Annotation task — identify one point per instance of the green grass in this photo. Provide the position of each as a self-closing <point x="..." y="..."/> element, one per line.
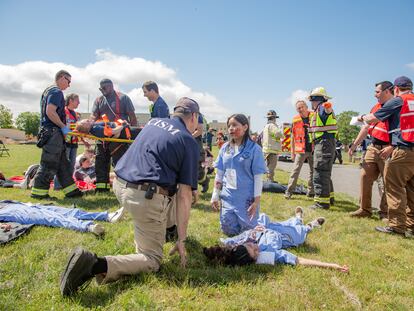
<point x="381" y="276"/>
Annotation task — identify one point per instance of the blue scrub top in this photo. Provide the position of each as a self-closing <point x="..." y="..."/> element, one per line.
<point x="247" y="163"/>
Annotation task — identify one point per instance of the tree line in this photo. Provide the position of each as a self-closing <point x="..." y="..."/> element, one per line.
<point x="28" y="122"/>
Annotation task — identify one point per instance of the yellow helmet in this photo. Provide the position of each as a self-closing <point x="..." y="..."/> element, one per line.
<point x="319" y="91"/>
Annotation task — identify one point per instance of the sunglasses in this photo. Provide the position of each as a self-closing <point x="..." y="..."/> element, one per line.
<point x="69" y="81"/>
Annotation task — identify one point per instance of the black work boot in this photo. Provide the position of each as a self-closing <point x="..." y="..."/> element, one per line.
<point x="319" y="205"/>
<point x="171" y="234"/>
<point x="74" y="194"/>
<point x="78" y="271"/>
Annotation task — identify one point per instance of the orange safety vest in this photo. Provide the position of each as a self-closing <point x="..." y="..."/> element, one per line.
<point x="108" y="130"/>
<point x="407" y="117"/>
<point x="379" y="130"/>
<point x="299" y="133"/>
<point x="71" y="123"/>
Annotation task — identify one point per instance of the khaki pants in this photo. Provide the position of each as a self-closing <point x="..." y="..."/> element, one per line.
<point x="372" y="167"/>
<point x="300" y="158"/>
<point x="150" y="221"/>
<point x="271" y="162"/>
<point x="399" y="186"/>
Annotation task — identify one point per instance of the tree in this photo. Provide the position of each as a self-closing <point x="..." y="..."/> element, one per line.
<point x="6" y="117"/>
<point x="28" y="122"/>
<point x="346" y="132"/>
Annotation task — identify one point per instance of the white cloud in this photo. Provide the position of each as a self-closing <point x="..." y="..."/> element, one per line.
<point x="297" y="95"/>
<point x="411" y="66"/>
<point x="21" y="85"/>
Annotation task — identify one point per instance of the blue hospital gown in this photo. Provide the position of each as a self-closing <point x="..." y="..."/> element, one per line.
<point x="247" y="163"/>
<point x="49" y="215"/>
<point x="274" y="238"/>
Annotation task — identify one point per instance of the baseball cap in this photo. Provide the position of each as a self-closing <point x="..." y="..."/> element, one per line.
<point x="105" y="81"/>
<point x="403" y="81"/>
<point x="187" y="105"/>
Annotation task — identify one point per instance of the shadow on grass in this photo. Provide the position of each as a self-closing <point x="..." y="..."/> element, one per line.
<point x="345" y="206"/>
<point x="199" y="273"/>
<point x="203" y="207"/>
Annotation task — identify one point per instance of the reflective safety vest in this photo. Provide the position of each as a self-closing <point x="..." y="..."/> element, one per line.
<point x="71" y="118"/>
<point x="108" y="131"/>
<point x="299" y="133"/>
<point x="407" y="117"/>
<point x="380" y="129"/>
<point x="318" y="128"/>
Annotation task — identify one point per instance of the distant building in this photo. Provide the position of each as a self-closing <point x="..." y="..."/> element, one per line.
<point x="218" y="126"/>
<point x="13" y="134"/>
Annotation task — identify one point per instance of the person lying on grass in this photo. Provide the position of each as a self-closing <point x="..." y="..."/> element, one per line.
<point x="56" y="216"/>
<point x="264" y="244"/>
<point x="107" y="129"/>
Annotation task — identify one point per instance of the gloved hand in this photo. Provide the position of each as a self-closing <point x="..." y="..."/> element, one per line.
<point x="327" y="105"/>
<point x="65" y="130"/>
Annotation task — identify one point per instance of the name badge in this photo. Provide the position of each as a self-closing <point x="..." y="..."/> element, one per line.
<point x="410" y="105"/>
<point x="266" y="258"/>
<point x="231" y="178"/>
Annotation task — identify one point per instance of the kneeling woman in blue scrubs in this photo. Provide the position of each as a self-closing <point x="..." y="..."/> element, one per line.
<point x="265" y="243"/>
<point x="238" y="185"/>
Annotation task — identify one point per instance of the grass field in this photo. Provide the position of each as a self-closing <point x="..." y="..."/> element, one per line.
<point x="381" y="266"/>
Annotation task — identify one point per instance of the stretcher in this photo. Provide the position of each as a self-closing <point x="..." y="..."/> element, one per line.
<point x="110" y="139"/>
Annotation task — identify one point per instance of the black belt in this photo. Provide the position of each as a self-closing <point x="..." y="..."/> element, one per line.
<point x="380" y="147"/>
<point x="142" y="186"/>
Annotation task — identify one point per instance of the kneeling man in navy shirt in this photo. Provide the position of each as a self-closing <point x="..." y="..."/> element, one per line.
<point x="159" y="167"/>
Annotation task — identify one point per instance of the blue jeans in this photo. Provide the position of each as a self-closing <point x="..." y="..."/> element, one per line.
<point x="71" y="156"/>
<point x="49" y="215"/>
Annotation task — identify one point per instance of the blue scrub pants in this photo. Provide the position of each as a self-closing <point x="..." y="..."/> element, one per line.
<point x="49" y="215"/>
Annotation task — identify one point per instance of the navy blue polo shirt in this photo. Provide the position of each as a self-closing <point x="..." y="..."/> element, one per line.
<point x="391" y="111"/>
<point x="160" y="109"/>
<point x="165" y="153"/>
<point x="54" y="96"/>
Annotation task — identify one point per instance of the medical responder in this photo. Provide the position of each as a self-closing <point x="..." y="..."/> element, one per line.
<point x="399" y="172"/>
<point x="51" y="139"/>
<point x="373" y="163"/>
<point x="322" y="132"/>
<point x="161" y="163"/>
<point x="272" y="134"/>
<point x="301" y="148"/>
<point x="158" y="108"/>
<point x="111" y="106"/>
<point x="239" y="178"/>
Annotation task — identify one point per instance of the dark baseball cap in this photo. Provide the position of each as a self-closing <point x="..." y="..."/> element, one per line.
<point x="403" y="81"/>
<point x="187" y="105"/>
<point x="105" y="81"/>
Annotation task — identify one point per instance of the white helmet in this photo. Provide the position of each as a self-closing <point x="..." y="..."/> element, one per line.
<point x="319" y="91"/>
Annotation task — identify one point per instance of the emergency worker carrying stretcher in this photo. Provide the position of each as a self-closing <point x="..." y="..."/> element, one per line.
<point x="51" y="139"/>
<point x="116" y="106"/>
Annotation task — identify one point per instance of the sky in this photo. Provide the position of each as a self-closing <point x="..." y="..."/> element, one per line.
<point x="231" y="56"/>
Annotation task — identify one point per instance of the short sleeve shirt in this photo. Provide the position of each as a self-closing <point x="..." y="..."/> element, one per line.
<point x="54" y="96"/>
<point x="391" y="111"/>
<point x="107" y="105"/>
<point x="164" y="153"/>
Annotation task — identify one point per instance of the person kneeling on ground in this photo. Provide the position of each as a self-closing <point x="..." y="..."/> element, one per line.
<point x="108" y="129"/>
<point x="264" y="244"/>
